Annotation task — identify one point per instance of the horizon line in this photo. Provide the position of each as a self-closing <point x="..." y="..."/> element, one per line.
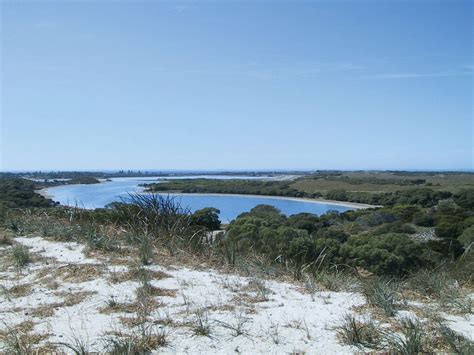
<point x="276" y="170"/>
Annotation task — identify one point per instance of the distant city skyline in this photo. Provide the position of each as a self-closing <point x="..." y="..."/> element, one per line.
<point x="235" y="86"/>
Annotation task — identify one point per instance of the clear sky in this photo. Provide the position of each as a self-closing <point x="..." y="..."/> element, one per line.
<point x="236" y="85"/>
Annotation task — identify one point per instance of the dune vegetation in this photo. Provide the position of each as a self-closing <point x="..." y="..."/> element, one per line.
<point x="151" y="274"/>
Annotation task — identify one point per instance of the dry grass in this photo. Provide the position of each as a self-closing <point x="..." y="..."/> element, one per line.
<point x="142" y="341"/>
<point x="46" y="310"/>
<point x="50" y="282"/>
<point x="245" y="298"/>
<point x="72" y="298"/>
<point x="221" y="308"/>
<point x="257" y="286"/>
<point x="132" y="322"/>
<point x="135" y="274"/>
<point x="121" y="257"/>
<point x="19" y="290"/>
<point x="79" y="273"/>
<point x="120" y="307"/>
<point x="154" y="291"/>
<point x="5" y="238"/>
<point x="21" y="339"/>
<point x="123" y="307"/>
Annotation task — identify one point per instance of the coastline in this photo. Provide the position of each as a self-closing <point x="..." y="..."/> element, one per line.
<point x="354" y="205"/>
<point x="46" y="193"/>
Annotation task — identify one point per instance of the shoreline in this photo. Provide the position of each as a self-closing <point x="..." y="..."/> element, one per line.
<point x="355" y="205"/>
<point x="45" y="193"/>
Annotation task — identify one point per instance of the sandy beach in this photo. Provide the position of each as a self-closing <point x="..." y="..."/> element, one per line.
<point x="45" y="193"/>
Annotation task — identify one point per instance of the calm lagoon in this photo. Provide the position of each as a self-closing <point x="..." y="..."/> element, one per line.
<point x="99" y="195"/>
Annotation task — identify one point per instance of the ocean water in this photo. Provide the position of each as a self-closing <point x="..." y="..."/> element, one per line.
<point x="230" y="206"/>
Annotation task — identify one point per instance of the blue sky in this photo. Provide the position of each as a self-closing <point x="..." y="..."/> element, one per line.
<point x="236" y="85"/>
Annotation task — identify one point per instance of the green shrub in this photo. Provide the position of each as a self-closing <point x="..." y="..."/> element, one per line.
<point x="405" y="212"/>
<point x="447" y="248"/>
<point x="19" y="193"/>
<point x="395" y="227"/>
<point x="377" y="218"/>
<point x="388" y="254"/>
<point x="307" y="221"/>
<point x="207" y="217"/>
<point x="465" y="198"/>
<point x="20" y="255"/>
<point x="447" y="229"/>
<point x="467" y="237"/>
<point x="423" y="219"/>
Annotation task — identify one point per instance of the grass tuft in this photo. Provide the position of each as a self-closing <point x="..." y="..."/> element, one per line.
<point x="381" y="294"/>
<point x="201" y="324"/>
<point x="143" y="341"/>
<point x="410" y="341"/>
<point x="354" y="332"/>
<point x="20" y="255"/>
<point x="5" y="238"/>
<point x="145" y="250"/>
<point x="456" y="342"/>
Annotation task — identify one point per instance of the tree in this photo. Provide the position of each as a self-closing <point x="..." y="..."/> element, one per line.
<point x="207" y="217"/>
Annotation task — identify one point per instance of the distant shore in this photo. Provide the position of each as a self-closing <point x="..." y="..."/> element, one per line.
<point x="46" y="193"/>
<point x="354" y="205"/>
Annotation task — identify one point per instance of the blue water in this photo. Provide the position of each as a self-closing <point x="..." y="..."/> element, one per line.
<point x="99" y="195"/>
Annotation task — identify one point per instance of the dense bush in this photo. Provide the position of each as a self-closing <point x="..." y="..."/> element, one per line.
<point x="424" y="197"/>
<point x="388" y="254"/>
<point x="376" y="218"/>
<point x="448" y="248"/>
<point x="207" y="218"/>
<point x="307" y="221"/>
<point x="20" y="193"/>
<point x="447" y="229"/>
<point x="395" y="227"/>
<point x="465" y="198"/>
<point x="467" y="237"/>
<point x="302" y="239"/>
<point x="230" y="186"/>
<point x="373" y="239"/>
<point x="423" y="219"/>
